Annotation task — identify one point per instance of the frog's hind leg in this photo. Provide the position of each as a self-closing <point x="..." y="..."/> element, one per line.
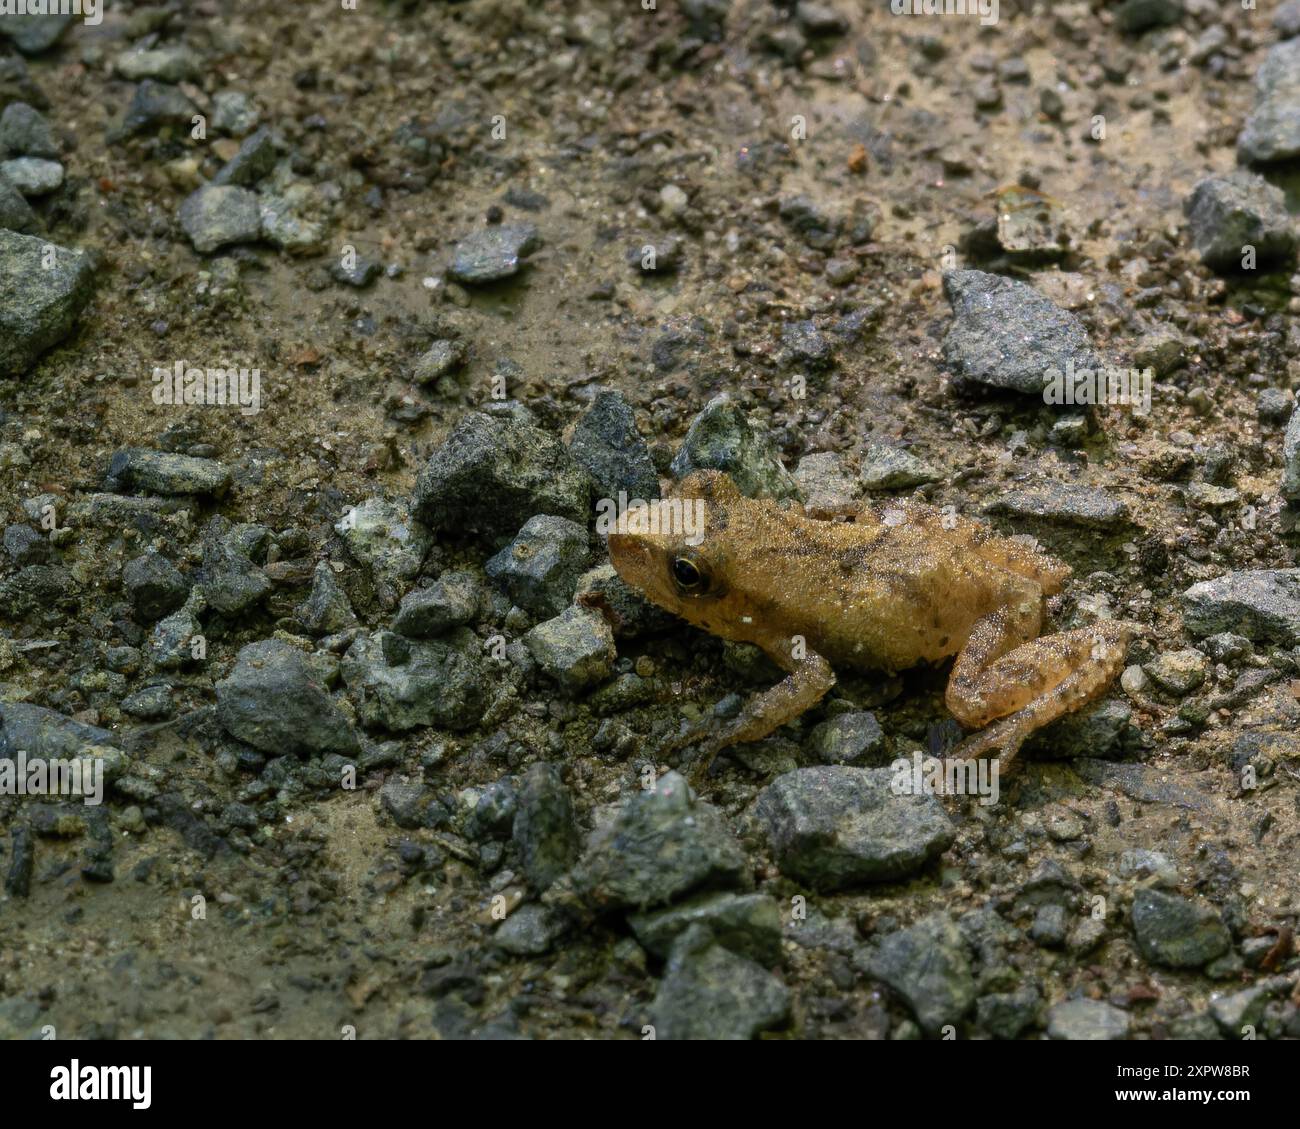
<point x="1027" y="682"/>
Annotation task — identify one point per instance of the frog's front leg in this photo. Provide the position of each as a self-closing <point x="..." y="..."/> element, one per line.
<point x="807" y="683"/>
<point x="1027" y="684"/>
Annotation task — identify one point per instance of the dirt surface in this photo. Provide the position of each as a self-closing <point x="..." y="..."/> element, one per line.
<point x="624" y="127"/>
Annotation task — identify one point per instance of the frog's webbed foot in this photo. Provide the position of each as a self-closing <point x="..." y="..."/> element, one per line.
<point x="1022" y="688"/>
<point x="803" y="688"/>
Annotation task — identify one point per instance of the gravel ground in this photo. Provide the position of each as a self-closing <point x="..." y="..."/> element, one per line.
<point x="322" y="332"/>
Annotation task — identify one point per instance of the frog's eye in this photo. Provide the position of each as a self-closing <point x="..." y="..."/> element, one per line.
<point x="689" y="576"/>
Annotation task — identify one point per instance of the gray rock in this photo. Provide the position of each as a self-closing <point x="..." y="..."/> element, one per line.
<point x="1178" y="672"/>
<point x="45" y="733"/>
<point x="1227" y="214"/>
<point x="453" y="601"/>
<point x="1235" y="1012"/>
<point x="1007" y="1015"/>
<point x="232" y="581"/>
<point x="15" y="213"/>
<point x="530" y="931"/>
<point x="1177" y="932"/>
<point x="805" y="347"/>
<point x="400" y="684"/>
<point x="1104" y="730"/>
<point x="1049" y="927"/>
<point x="847" y="738"/>
<point x="1006" y="335"/>
<point x="1087" y="1020"/>
<point x="38" y="306"/>
<point x="1259" y="604"/>
<point x="493" y="253"/>
<point x="544" y="830"/>
<point x="167" y="63"/>
<point x="32" y="33"/>
<point x="608" y="446"/>
<point x="382" y="536"/>
<point x="1060" y="502"/>
<point x="153" y="703"/>
<point x="722" y="438"/>
<point x="161" y="472"/>
<point x="360" y="274"/>
<point x="746" y="924"/>
<point x="1153" y="867"/>
<point x="275" y="700"/>
<point x="217" y="216"/>
<point x="891" y="468"/>
<point x="155" y="586"/>
<point x="660" y="845"/>
<point x="710" y="993"/>
<point x="287" y="221"/>
<point x="1272" y="131"/>
<point x="927" y="965"/>
<point x="1137" y="16"/>
<point x="838" y="826"/>
<point x="253" y="161"/>
<point x="539" y="569"/>
<point x="494" y="812"/>
<point x="25" y="546"/>
<point x="327" y="610"/>
<point x="156" y="106"/>
<point x="24" y="132"/>
<point x="1291" y="457"/>
<point x="234" y="113"/>
<point x="576" y="648"/>
<point x="172" y="642"/>
<point x="1276" y="405"/>
<point x="32" y="176"/>
<point x="1287" y="19"/>
<point x="493" y="473"/>
<point x="441" y="358"/>
<point x="825" y="483"/>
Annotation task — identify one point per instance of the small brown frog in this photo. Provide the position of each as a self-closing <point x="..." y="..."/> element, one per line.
<point x="903" y="583"/>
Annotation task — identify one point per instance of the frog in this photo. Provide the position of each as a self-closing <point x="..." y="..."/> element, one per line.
<point x="875" y="587"/>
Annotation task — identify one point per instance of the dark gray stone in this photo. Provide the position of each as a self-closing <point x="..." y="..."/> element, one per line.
<point x="275" y="700"/>
<point x="660" y="845"/>
<point x="747" y="924"/>
<point x="927" y="965"/>
<point x="24" y="132"/>
<point x="539" y="569"/>
<point x="161" y="472"/>
<point x="400" y="684"/>
<point x="38" y="305"/>
<point x="1259" y="604"/>
<point x="155" y="586"/>
<point x="576" y="648"/>
<point x="544" y="829"/>
<point x="607" y="444"/>
<point x="1006" y="335"/>
<point x="453" y="601"/>
<point x="327" y="610"/>
<point x="1272" y="131"/>
<point x="493" y="253"/>
<point x="217" y="216"/>
<point x="1177" y="932"/>
<point x="838" y="826"/>
<point x="254" y="160"/>
<point x="1226" y="214"/>
<point x="1087" y="1020"/>
<point x="493" y="473"/>
<point x="710" y="993"/>
<point x="722" y="438"/>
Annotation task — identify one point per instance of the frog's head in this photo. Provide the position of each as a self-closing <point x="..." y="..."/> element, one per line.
<point x="665" y="550"/>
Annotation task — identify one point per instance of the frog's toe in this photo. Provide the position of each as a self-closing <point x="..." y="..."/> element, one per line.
<point x="1002" y="740"/>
